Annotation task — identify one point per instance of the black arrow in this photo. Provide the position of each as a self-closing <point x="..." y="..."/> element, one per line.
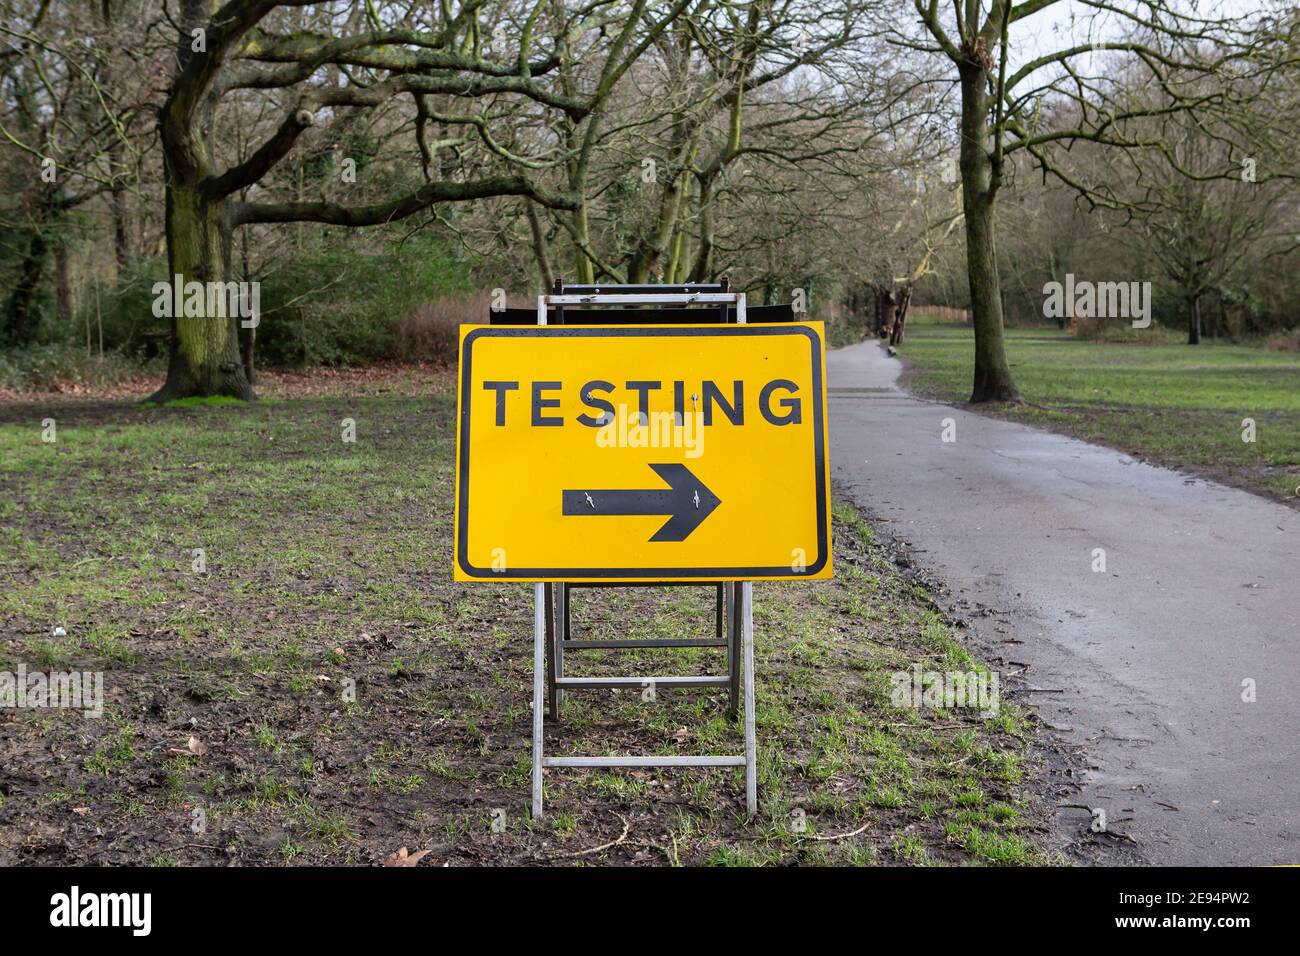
<point x="686" y="499"/>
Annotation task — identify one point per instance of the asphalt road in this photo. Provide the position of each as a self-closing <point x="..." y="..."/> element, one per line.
<point x="1142" y="665"/>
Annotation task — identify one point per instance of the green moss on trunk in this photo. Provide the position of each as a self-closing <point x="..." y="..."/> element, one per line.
<point x="205" y="357"/>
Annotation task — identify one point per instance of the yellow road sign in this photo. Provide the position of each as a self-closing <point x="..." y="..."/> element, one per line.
<point x="621" y="453"/>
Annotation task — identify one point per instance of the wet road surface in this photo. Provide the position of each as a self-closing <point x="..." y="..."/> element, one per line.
<point x="1143" y="665"/>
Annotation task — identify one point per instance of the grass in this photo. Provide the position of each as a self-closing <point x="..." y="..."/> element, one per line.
<point x="353" y="700"/>
<point x="211" y="402"/>
<point x="1168" y="402"/>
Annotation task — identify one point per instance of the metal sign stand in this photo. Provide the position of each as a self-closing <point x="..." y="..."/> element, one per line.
<point x="551" y="606"/>
<point x="559" y="638"/>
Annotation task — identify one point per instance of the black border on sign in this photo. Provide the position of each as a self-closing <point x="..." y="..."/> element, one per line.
<point x="559" y="574"/>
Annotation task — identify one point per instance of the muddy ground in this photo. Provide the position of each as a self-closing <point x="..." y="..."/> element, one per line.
<point x="231" y="734"/>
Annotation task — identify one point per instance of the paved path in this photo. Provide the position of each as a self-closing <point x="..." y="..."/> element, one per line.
<point x="1201" y="592"/>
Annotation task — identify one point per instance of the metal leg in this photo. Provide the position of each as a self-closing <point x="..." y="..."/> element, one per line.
<point x="551" y="628"/>
<point x="734" y="629"/>
<point x="539" y="693"/>
<point x="552" y="702"/>
<point x="717" y="624"/>
<point x="751" y="744"/>
<point x="564" y="633"/>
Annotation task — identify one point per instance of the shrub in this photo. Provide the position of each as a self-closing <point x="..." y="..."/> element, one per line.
<point x="431" y="332"/>
<point x="124" y="315"/>
<point x="1287" y="340"/>
<point x="50" y="367"/>
<point x="844" y="327"/>
<point x="329" y="306"/>
<point x="1122" y="331"/>
<point x="343" y="308"/>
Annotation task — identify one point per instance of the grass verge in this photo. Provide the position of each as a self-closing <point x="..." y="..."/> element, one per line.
<point x="292" y="677"/>
<point x="1177" y="405"/>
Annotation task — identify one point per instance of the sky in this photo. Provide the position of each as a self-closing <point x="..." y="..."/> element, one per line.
<point x="1068" y="20"/>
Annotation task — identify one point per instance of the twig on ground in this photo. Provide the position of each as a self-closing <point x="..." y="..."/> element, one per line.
<point x="191" y="846"/>
<point x="596" y="849"/>
<point x="840" y="836"/>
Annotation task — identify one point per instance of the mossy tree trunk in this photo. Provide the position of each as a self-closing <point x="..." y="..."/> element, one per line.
<point x="204" y="357"/>
<point x="980" y="182"/>
<point x="702" y="271"/>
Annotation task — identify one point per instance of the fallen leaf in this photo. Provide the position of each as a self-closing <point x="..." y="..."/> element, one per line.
<point x="81" y="811"/>
<point x="194" y="747"/>
<point x="402" y="858"/>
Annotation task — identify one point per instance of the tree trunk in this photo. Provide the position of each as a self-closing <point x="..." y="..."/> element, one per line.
<point x="247" y="346"/>
<point x="647" y="260"/>
<point x="247" y="336"/>
<point x="703" y="268"/>
<point x="62" y="280"/>
<point x="539" y="245"/>
<point x="121" y="244"/>
<point x="993" y="381"/>
<point x="205" y="356"/>
<point x="117" y="200"/>
<point x="1194" y="320"/>
<point x="900" y="314"/>
<point x="884" y="297"/>
<point x="674" y="255"/>
<point x="584" y="270"/>
<point x="18" y="310"/>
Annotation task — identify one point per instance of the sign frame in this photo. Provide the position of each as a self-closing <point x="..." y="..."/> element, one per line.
<point x="820" y="565"/>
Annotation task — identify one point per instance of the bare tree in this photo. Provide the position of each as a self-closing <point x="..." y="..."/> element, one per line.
<point x="71" y="115"/>
<point x="1006" y="108"/>
<point x="731" y="101"/>
<point x="341" y="57"/>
